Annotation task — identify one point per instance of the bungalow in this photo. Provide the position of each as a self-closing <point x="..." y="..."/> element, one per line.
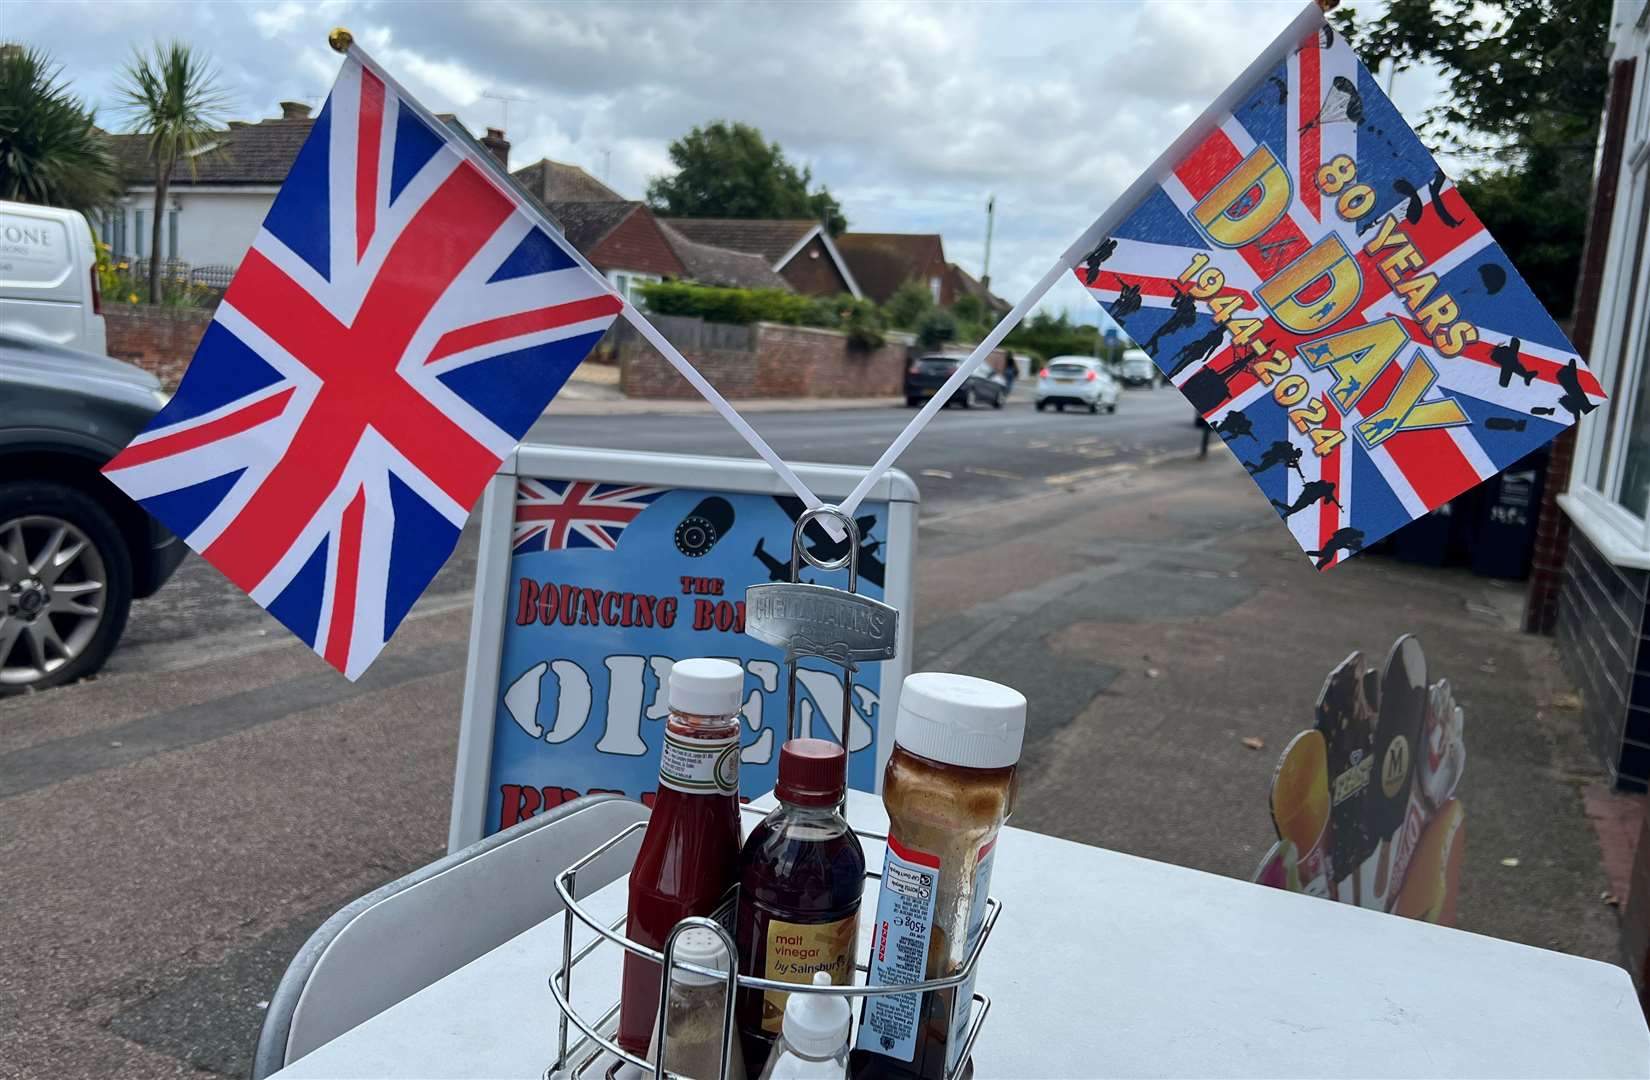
<point x="799" y="251"/>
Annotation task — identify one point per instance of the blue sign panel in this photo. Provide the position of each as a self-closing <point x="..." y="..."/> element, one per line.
<point x="609" y="585"/>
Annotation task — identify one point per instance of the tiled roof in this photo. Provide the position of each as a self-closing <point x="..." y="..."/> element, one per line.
<point x="586" y="223"/>
<point x="771" y="239"/>
<point x="554" y="181"/>
<point x="882" y="262"/>
<point x="260" y="153"/>
<point x="967" y="285"/>
<point x="710" y="265"/>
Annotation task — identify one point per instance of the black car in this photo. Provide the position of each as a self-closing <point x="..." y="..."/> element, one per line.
<point x="74" y="550"/>
<point x="927" y="374"/>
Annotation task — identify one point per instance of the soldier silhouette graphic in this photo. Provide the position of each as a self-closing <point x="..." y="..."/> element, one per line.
<point x="1093" y="260"/>
<point x="1236" y="425"/>
<point x="1279" y="453"/>
<point x="1183" y="309"/>
<point x="1127" y="303"/>
<point x="1312" y="491"/>
<point x="1197" y="352"/>
<point x="1349" y="540"/>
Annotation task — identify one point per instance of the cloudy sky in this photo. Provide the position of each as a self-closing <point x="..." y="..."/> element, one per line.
<point x="912" y="114"/>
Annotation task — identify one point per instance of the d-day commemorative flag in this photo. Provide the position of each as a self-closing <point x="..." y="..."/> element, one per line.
<point x="1301" y="268"/>
<point x="395" y="329"/>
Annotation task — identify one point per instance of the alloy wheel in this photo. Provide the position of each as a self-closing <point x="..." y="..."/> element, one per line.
<point x="52" y="589"/>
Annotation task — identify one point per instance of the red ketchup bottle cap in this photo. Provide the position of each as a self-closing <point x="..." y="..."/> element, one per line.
<point x="812" y="772"/>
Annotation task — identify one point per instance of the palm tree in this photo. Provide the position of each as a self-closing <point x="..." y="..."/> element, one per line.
<point x="50" y="150"/>
<point x="172" y="96"/>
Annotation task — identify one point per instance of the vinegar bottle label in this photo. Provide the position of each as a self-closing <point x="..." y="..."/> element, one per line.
<point x="700" y="765"/>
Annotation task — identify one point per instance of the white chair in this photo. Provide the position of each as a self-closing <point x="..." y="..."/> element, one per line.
<point x="398" y="939"/>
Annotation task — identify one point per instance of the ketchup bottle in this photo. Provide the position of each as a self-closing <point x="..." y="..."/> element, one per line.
<point x="689" y="860"/>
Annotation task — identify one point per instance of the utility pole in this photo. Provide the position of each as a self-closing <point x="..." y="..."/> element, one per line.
<point x="990" y="214"/>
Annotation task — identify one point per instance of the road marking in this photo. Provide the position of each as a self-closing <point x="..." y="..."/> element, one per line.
<point x="939" y="474"/>
<point x="1096" y="452"/>
<point x="998" y="473"/>
<point x="1094" y="473"/>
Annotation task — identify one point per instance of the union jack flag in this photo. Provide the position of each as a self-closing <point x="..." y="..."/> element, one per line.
<point x="556" y="514"/>
<point x="1317" y="287"/>
<point x="397" y="326"/>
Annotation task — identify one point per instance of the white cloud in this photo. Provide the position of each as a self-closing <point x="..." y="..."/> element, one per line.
<point x="913" y="114"/>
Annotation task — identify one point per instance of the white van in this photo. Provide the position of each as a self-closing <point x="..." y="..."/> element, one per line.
<point x="1138" y="369"/>
<point x="48" y="277"/>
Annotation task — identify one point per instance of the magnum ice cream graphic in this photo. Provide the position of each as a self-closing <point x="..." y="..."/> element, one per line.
<point x="1364" y="802"/>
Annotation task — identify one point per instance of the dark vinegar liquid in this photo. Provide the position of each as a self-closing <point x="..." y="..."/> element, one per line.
<point x="804" y="867"/>
<point x="688" y="862"/>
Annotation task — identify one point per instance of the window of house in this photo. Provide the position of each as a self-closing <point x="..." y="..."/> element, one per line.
<point x="1609" y="493"/>
<point x="934" y="287"/>
<point x="140" y="242"/>
<point x="171" y="234"/>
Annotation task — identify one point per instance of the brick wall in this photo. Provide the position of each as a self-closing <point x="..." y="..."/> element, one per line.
<point x="781" y="362"/>
<point x="1604" y="643"/>
<point x="160" y="340"/>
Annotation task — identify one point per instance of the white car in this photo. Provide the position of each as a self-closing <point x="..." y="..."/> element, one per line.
<point x="48" y="277"/>
<point x="1076" y="380"/>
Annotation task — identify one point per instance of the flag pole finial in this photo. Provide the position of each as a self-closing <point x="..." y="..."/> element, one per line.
<point x="1328" y="5"/>
<point x="340" y="39"/>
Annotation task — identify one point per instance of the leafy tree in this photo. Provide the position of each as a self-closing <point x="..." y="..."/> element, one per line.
<point x="936" y="328"/>
<point x="51" y="152"/>
<point x="172" y="96"/>
<point x="729" y="171"/>
<point x="1053" y="335"/>
<point x="1526" y="81"/>
<point x="969" y="309"/>
<point x="908" y="305"/>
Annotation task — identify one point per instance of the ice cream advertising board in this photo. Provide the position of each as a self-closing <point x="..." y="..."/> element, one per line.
<point x="597" y="571"/>
<point x="1364" y="801"/>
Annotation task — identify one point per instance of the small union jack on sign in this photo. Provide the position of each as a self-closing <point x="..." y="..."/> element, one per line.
<point x="397" y="326"/>
<point x="556" y="514"/>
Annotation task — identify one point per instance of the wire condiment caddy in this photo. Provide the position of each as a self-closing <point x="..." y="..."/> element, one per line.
<point x="857" y="628"/>
<point x="576" y="1060"/>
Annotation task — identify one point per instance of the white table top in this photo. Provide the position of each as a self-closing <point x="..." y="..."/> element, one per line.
<point x="1105" y="964"/>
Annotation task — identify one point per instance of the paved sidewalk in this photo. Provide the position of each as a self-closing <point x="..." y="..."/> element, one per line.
<point x="1205" y="625"/>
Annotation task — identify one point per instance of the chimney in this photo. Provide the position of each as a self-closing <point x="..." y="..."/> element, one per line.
<point x="294" y="110"/>
<point x="498" y="146"/>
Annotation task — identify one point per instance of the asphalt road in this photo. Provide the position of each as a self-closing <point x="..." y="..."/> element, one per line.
<point x="965" y="458"/>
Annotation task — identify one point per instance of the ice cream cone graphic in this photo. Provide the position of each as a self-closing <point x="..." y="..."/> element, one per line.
<point x="1300" y="806"/>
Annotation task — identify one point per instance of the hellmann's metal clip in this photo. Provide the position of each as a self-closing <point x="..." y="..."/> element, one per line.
<point x="839" y="626"/>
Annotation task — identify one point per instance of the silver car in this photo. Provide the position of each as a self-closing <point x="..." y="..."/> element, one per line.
<point x="1076" y="380"/>
<point x="74" y="550"/>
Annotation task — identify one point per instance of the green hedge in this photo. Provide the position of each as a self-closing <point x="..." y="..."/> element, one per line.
<point x="739" y="306"/>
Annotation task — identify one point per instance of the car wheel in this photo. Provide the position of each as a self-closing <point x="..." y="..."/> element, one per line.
<point x="912" y="401"/>
<point x="1112" y="408"/>
<point x="962" y="400"/>
<point x="1094" y="407"/>
<point x="65" y="585"/>
<point x="1041" y="405"/>
<point x="997" y="402"/>
<point x="1059" y="406"/>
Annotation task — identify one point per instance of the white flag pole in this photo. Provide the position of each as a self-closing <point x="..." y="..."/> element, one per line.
<point x="343" y="41"/>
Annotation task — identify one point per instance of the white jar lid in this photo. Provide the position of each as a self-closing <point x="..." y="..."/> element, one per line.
<point x="961" y="720"/>
<point x="697" y="945"/>
<point x="707" y="687"/>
